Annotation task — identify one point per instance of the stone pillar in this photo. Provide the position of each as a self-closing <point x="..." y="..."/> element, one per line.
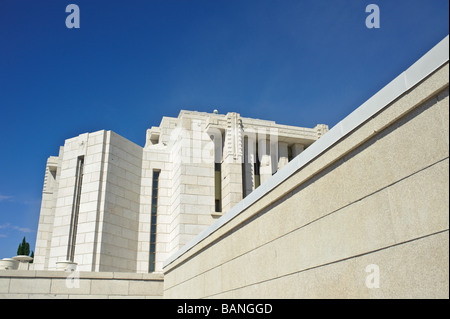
<point x="265" y="170"/>
<point x="283" y="156"/>
<point x="273" y="154"/>
<point x="232" y="163"/>
<point x="297" y="149"/>
<point x="248" y="165"/>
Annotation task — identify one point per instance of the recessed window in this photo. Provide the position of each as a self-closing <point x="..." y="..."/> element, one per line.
<point x="218" y="186"/>
<point x="153" y="221"/>
<point x="75" y="209"/>
<point x="256" y="168"/>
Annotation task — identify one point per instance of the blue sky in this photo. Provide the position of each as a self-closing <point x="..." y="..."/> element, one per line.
<point x="131" y="62"/>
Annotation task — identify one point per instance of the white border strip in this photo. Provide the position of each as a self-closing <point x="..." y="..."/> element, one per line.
<point x="426" y="65"/>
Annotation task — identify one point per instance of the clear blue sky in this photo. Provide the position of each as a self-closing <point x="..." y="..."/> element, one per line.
<point x="131" y="62"/>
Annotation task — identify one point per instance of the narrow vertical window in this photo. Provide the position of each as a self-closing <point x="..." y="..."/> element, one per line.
<point x="218" y="139"/>
<point x="245" y="168"/>
<point x="256" y="168"/>
<point x="218" y="186"/>
<point x="153" y="220"/>
<point x="75" y="209"/>
<point x="244" y="179"/>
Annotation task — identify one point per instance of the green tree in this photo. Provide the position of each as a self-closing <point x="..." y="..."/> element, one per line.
<point x="24" y="248"/>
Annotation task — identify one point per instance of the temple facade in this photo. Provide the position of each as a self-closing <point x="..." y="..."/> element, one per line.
<point x="222" y="206"/>
<point x="111" y="205"/>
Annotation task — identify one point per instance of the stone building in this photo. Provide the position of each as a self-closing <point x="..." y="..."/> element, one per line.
<point x="360" y="211"/>
<point x="111" y="205"/>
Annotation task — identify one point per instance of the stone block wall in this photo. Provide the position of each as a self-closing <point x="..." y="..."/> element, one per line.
<point x="375" y="200"/>
<point x="21" y="284"/>
<point x="118" y="217"/>
<point x="92" y="147"/>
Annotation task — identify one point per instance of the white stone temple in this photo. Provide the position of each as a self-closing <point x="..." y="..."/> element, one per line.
<point x="359" y="211"/>
<point x="111" y="205"/>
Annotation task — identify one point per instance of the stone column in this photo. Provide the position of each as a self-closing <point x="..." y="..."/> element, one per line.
<point x="283" y="158"/>
<point x="232" y="163"/>
<point x="249" y="165"/>
<point x="265" y="170"/>
<point x="297" y="149"/>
